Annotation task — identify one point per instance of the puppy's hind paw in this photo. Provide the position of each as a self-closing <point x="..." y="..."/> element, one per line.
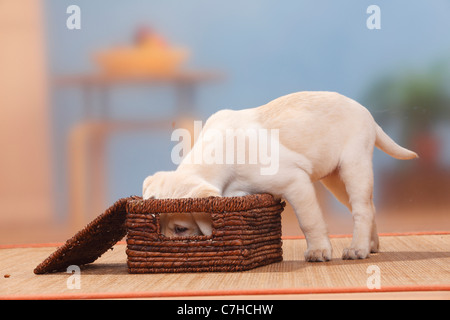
<point x="319" y="255"/>
<point x="353" y="254"/>
<point x="375" y="245"/>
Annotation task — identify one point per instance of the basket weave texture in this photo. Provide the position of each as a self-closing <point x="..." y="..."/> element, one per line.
<point x="246" y="234"/>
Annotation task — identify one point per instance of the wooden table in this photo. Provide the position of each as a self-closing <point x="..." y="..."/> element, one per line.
<point x="87" y="139"/>
<point x="184" y="82"/>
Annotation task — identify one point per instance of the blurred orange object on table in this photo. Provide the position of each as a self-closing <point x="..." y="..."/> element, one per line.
<point x="151" y="55"/>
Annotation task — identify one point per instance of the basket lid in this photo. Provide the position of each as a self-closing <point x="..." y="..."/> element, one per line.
<point x="91" y="242"/>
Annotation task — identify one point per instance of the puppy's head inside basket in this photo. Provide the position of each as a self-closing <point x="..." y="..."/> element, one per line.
<point x="185" y="224"/>
<point x="246" y="233"/>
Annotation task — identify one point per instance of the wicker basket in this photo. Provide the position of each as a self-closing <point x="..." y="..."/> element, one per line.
<point x="246" y="234"/>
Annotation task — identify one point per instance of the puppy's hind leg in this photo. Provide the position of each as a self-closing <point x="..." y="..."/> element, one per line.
<point x="357" y="176"/>
<point x="302" y="196"/>
<point x="336" y="186"/>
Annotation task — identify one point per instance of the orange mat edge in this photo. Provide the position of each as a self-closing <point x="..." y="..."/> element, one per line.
<point x="230" y="293"/>
<point x="385" y="234"/>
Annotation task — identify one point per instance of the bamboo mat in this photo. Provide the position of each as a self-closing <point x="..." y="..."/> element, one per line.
<point x="406" y="263"/>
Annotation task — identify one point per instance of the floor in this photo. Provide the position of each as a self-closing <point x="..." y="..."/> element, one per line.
<point x="408" y="266"/>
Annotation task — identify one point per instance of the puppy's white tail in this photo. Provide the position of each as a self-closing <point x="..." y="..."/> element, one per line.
<point x="385" y="143"/>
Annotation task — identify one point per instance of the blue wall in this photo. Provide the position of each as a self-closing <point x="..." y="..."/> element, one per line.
<point x="267" y="49"/>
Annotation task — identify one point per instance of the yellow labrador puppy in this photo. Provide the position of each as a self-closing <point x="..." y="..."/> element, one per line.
<point x="312" y="136"/>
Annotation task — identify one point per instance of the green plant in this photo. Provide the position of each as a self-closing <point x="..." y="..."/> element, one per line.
<point x="418" y="98"/>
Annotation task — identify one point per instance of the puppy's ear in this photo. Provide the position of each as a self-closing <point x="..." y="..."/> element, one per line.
<point x="204" y="190"/>
<point x="204" y="222"/>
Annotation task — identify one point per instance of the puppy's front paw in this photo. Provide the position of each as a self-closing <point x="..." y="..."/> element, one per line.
<point x="355" y="253"/>
<point x="318" y="255"/>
